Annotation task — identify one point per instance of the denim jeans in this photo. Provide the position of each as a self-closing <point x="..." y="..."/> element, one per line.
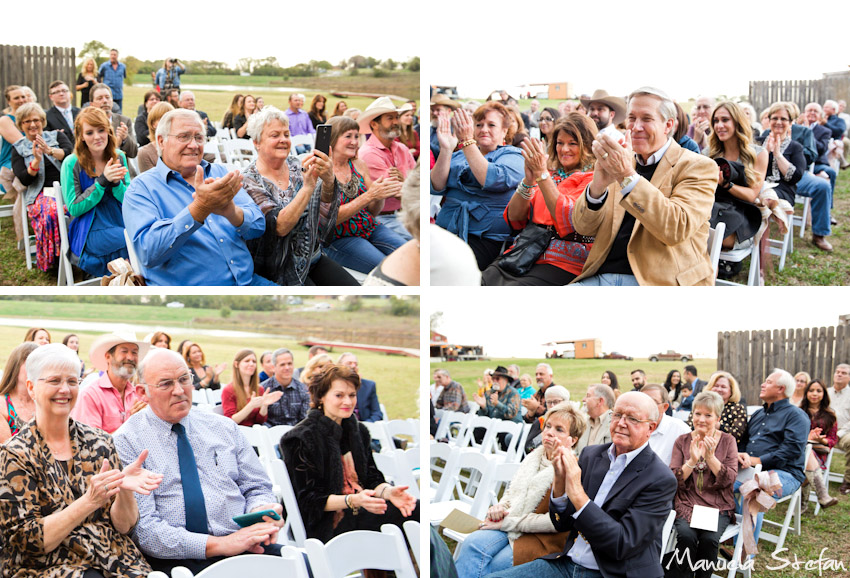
<point x="364" y="254"/>
<point x="830" y="173"/>
<point x="609" y="280"/>
<point x="563" y="567"/>
<point x="819" y="191"/>
<point x="483" y="552"/>
<point x="789" y="486"/>
<point x="394" y="224"/>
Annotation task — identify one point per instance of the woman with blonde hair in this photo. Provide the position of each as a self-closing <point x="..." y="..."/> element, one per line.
<point x="741" y="171"/>
<point x="18" y="408"/>
<point x="94" y="180"/>
<point x="240" y="121"/>
<point x="801" y="381"/>
<point x="86" y="79"/>
<point x="203" y="376"/>
<point x="243" y="400"/>
<point x="232" y="111"/>
<point x="733" y="418"/>
<point x="314" y="367"/>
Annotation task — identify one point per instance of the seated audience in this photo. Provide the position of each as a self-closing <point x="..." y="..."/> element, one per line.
<point x="9" y="132"/>
<point x="453" y="396"/>
<point x="268" y="366"/>
<point x="733" y="418"/>
<point x="687" y="397"/>
<point x="161" y="339"/>
<point x="359" y="242"/>
<point x="300" y="207"/>
<point x="187" y="101"/>
<point x="548" y="118"/>
<point x="203" y="376"/>
<point x="823" y="436"/>
<point x="741" y="171"/>
<point x="811" y="184"/>
<point x="700" y="128"/>
<point x="149" y="154"/>
<point x="801" y="381"/>
<point x="172" y="96"/>
<point x="610" y="379"/>
<point x="233" y="110"/>
<point x="440" y="106"/>
<point x="37" y="163"/>
<point x="555" y="395"/>
<point x="109" y="401"/>
<point x="525" y="389"/>
<point x="518" y="528"/>
<point x="368" y="406"/>
<point x="839" y="395"/>
<point x="669" y="428"/>
<point x="478" y="180"/>
<point x="294" y="402"/>
<point x="329" y="458"/>
<point x="662" y="237"/>
<point x="680" y="131"/>
<point x="705" y="463"/>
<point x="311" y="353"/>
<point x="140" y="125"/>
<point x="838" y="127"/>
<point x="17" y="407"/>
<point x="517" y="125"/>
<point x="340" y="108"/>
<point x="122" y="126"/>
<point x="401" y="267"/>
<point x="317" y="113"/>
<point x="616" y="536"/>
<point x="673" y="384"/>
<point x="94" y="180"/>
<point x="244" y="400"/>
<point x="38" y="335"/>
<point x="599" y="401"/>
<point x="542" y="207"/>
<point x="260" y="103"/>
<point x="314" y="368"/>
<point x="535" y="404"/>
<point x="66" y="507"/>
<point x="191" y="234"/>
<point x="408" y="133"/>
<point x="210" y="474"/>
<point x="72" y="342"/>
<point x="240" y="121"/>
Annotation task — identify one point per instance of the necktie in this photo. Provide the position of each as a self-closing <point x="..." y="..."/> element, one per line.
<point x="193" y="496"/>
<point x="69" y="119"/>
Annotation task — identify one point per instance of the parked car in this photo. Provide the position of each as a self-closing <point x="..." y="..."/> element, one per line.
<point x="671" y="355"/>
<point x="616" y="355"/>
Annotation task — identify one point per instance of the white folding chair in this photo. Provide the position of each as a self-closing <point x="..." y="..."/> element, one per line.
<point x="813" y="497"/>
<point x="377" y="432"/>
<point x="293" y="531"/>
<point x="792" y="515"/>
<point x="199" y="397"/>
<point x="519" y="452"/>
<point x="802" y="220"/>
<point x="216" y="409"/>
<point x="396" y="467"/>
<point x="738" y="255"/>
<point x="239" y="152"/>
<point x="447" y="454"/>
<point x="784" y="246"/>
<point x="131" y="251"/>
<point x="290" y="563"/>
<point x="835" y="477"/>
<point x="509" y="428"/>
<point x="214" y="395"/>
<point x="667" y="535"/>
<point x="361" y="550"/>
<point x="468" y="493"/>
<point x="715" y="243"/>
<point x="449" y="419"/>
<point x="256" y="437"/>
<point x="386" y="416"/>
<point x="303" y="139"/>
<point x="468" y="442"/>
<point x="66" y="271"/>
<point x="411" y="531"/>
<point x="274" y="433"/>
<point x="403" y="428"/>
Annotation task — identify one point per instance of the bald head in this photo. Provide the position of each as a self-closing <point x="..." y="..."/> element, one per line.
<point x="638" y="419"/>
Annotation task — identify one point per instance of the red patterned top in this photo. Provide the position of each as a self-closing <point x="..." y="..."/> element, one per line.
<point x="567" y="255"/>
<point x="363" y="223"/>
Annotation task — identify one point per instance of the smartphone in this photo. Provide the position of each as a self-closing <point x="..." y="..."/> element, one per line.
<point x="252" y="518"/>
<point x="323" y="138"/>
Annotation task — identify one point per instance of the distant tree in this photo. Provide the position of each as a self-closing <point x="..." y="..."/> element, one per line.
<point x="390" y="64"/>
<point x="413" y="64"/>
<point x="353" y="303"/>
<point x="133" y="65"/>
<point x="371" y="62"/>
<point x="379" y="73"/>
<point x="436" y="320"/>
<point x="94" y="49"/>
<point x="404" y="307"/>
<point x="225" y="311"/>
<point x="357" y="61"/>
<point x="247" y="64"/>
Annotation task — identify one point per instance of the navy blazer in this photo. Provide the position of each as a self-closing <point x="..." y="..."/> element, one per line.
<point x="625" y="533"/>
<point x="368" y="408"/>
<point x="55" y="121"/>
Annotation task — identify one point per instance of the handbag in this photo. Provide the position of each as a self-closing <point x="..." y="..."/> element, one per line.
<point x="528" y="247"/>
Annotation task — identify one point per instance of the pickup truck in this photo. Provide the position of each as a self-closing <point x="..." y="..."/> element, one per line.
<point x="671" y="355"/>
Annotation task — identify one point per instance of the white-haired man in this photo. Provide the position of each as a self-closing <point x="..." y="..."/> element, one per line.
<point x="210" y="474"/>
<point x="187" y="101"/>
<point x="189" y="219"/>
<point x="649" y="203"/>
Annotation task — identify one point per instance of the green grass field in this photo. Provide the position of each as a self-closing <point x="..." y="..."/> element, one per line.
<point x="574" y="374"/>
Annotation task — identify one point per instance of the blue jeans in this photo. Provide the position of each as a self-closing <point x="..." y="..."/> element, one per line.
<point x="789" y="486"/>
<point x="364" y="254"/>
<point x="563" y="567"/>
<point x="393" y="223"/>
<point x="821" y="195"/>
<point x="830" y="172"/>
<point x="483" y="552"/>
<point x="609" y="280"/>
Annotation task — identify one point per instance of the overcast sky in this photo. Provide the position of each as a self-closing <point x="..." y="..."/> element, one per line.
<point x="515" y="322"/>
<point x="329" y="30"/>
<point x="685" y="48"/>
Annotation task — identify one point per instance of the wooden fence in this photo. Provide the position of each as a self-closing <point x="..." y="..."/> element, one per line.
<point x="751" y="355"/>
<point x="765" y="92"/>
<point x="37" y="67"/>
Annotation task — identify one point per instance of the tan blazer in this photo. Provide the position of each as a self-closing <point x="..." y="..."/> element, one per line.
<point x="669" y="242"/>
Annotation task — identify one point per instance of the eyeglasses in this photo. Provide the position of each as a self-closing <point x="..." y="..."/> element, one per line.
<point x="31" y="121"/>
<point x="167" y="385"/>
<point x="185" y="137"/>
<point x="633" y="421"/>
<point x="60" y="91"/>
<point x="775" y="119"/>
<point x="546" y="119"/>
<point x="57" y="382"/>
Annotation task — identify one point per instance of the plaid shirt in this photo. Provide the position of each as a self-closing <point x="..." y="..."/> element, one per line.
<point x="453" y="398"/>
<point x="292" y="406"/>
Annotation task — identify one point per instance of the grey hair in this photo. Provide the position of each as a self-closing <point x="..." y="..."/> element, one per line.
<point x="151" y="357"/>
<point x="709" y="400"/>
<point x="646" y="402"/>
<point x="281" y="351"/>
<point x="605" y="393"/>
<point x="820" y="108"/>
<point x="558" y="391"/>
<point x="184" y="93"/>
<point x="787" y="380"/>
<point x="164" y="126"/>
<point x="547" y="366"/>
<point x="442" y="372"/>
<point x="410" y="203"/>
<point x="259" y="120"/>
<point x="831" y="103"/>
<point x="52" y="355"/>
<point x="514" y="366"/>
<point x="34" y="98"/>
<point x="665" y="397"/>
<point x="27" y="110"/>
<point x="344" y="355"/>
<point x="666" y="108"/>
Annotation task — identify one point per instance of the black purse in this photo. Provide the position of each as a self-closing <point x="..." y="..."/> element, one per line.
<point x="528" y="247"/>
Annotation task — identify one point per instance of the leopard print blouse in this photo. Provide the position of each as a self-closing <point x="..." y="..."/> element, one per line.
<point x="34" y="485"/>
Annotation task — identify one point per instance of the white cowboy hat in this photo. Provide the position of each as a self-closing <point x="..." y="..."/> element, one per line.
<point x="97" y="353"/>
<point x="382" y="105"/>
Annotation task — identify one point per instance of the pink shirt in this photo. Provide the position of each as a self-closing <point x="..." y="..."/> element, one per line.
<point x="380" y="160"/>
<point x="99" y="405"/>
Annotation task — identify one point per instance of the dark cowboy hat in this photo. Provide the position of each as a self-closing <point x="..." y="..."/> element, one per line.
<point x="501" y="371"/>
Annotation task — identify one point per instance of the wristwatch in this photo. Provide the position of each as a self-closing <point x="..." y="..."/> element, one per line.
<point x="543" y="176"/>
<point x="629" y="180"/>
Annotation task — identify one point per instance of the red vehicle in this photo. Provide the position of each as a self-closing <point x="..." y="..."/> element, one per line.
<point x="615" y="355"/>
<point x="671" y="355"/>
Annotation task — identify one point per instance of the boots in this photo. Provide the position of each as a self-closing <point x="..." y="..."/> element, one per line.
<point x="820" y="488"/>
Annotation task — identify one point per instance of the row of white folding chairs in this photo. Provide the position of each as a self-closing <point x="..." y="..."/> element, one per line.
<point x="264" y="439"/>
<point x="385" y="430"/>
<point x="459" y="428"/>
<point x="401" y="467"/>
<point x="342" y="555"/>
<point x="206" y="397"/>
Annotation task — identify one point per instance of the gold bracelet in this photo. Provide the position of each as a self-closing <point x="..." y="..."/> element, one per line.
<point x="467" y="142"/>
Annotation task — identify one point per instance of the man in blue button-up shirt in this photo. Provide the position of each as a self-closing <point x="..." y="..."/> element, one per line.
<point x="189" y="220"/>
<point x="112" y="73"/>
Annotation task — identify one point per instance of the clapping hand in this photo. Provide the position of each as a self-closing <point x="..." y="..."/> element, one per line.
<point x="114" y="171"/>
<point x="395" y="173"/>
<point x="479" y="399"/>
<point x="121" y="133"/>
<point x="271" y="397"/>
<point x="216" y="195"/>
<point x="697" y="448"/>
<point x="494" y="397"/>
<point x="103" y="486"/>
<point x="709" y="444"/>
<point x="536" y="159"/>
<point x="399" y="498"/>
<point x="138" y="479"/>
<point x="463" y="124"/>
<point x="384" y="188"/>
<point x="447" y="140"/>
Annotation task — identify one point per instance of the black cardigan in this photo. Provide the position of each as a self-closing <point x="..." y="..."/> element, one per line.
<point x="312" y="452"/>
